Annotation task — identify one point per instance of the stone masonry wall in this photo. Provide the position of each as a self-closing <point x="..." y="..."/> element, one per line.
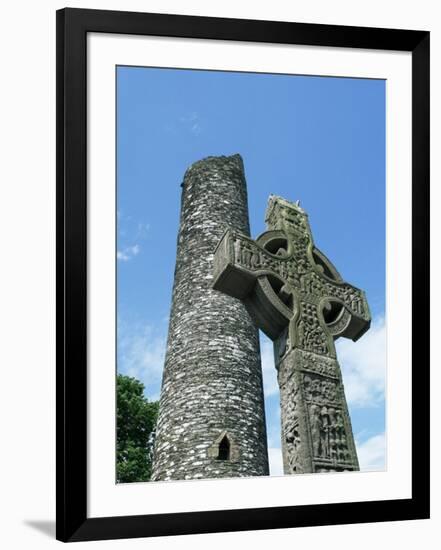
<point x="212" y="380"/>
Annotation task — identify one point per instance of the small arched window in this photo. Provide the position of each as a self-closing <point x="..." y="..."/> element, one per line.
<point x="224" y="449"/>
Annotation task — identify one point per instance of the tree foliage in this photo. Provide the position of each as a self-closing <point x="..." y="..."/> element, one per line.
<point x="136" y="421"/>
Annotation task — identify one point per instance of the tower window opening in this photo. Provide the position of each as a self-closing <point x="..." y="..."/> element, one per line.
<point x="224" y="449"/>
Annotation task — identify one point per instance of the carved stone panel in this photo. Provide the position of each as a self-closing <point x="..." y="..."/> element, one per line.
<point x="316" y="430"/>
<point x="331" y="436"/>
<point x="311" y="362"/>
<point x="311" y="335"/>
<point x="297" y="458"/>
<point x="291" y="438"/>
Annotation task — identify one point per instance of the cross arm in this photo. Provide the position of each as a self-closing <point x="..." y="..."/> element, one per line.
<point x="241" y="270"/>
<point x="354" y="317"/>
<point x="230" y="274"/>
<point x="238" y="261"/>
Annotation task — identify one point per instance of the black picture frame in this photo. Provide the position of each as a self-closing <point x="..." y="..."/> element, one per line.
<point x="71" y="427"/>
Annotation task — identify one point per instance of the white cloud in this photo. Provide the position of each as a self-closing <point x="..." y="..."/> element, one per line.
<point x="192" y="123"/>
<point x="269" y="372"/>
<point x="128" y="253"/>
<point x="363" y="365"/>
<point x="273" y="423"/>
<point x="275" y="461"/>
<point x="372" y="453"/>
<point x="142" y="230"/>
<point x="141" y="351"/>
<point x="196" y="128"/>
<point x="130" y="232"/>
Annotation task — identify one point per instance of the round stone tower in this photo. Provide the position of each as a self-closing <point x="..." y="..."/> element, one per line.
<point x="211" y="419"/>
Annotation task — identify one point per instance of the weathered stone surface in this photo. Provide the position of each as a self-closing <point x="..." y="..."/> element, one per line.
<point x="298" y="298"/>
<point x="211" y="419"/>
<point x="316" y="428"/>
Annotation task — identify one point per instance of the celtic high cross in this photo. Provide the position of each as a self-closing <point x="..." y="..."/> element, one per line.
<point x="298" y="299"/>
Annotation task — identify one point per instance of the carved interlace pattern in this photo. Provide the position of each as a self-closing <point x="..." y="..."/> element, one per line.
<point x="320" y="390"/>
<point x="310" y="334"/>
<point x="297" y="268"/>
<point x="289" y="219"/>
<point x="290" y="426"/>
<point x="311" y="362"/>
<point x="303" y="281"/>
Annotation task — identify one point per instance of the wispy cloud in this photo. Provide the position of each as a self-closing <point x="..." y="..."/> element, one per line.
<point x="141" y="351"/>
<point x="364" y="366"/>
<point x="142" y="230"/>
<point x="192" y="123"/>
<point x="270" y="384"/>
<point x="130" y="233"/>
<point x="188" y="123"/>
<point x="275" y="461"/>
<point x="196" y="128"/>
<point x="372" y="453"/>
<point x="128" y="253"/>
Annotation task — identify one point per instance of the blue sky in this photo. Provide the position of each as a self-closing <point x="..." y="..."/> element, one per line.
<point x="317" y="139"/>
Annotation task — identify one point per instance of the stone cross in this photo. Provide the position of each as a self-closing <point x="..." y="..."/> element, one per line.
<point x="298" y="299"/>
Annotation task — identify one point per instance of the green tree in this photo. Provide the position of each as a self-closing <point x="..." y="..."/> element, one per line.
<point x="136" y="421"/>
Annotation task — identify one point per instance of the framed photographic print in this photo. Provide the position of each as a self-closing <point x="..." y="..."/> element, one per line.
<point x="242" y="274"/>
